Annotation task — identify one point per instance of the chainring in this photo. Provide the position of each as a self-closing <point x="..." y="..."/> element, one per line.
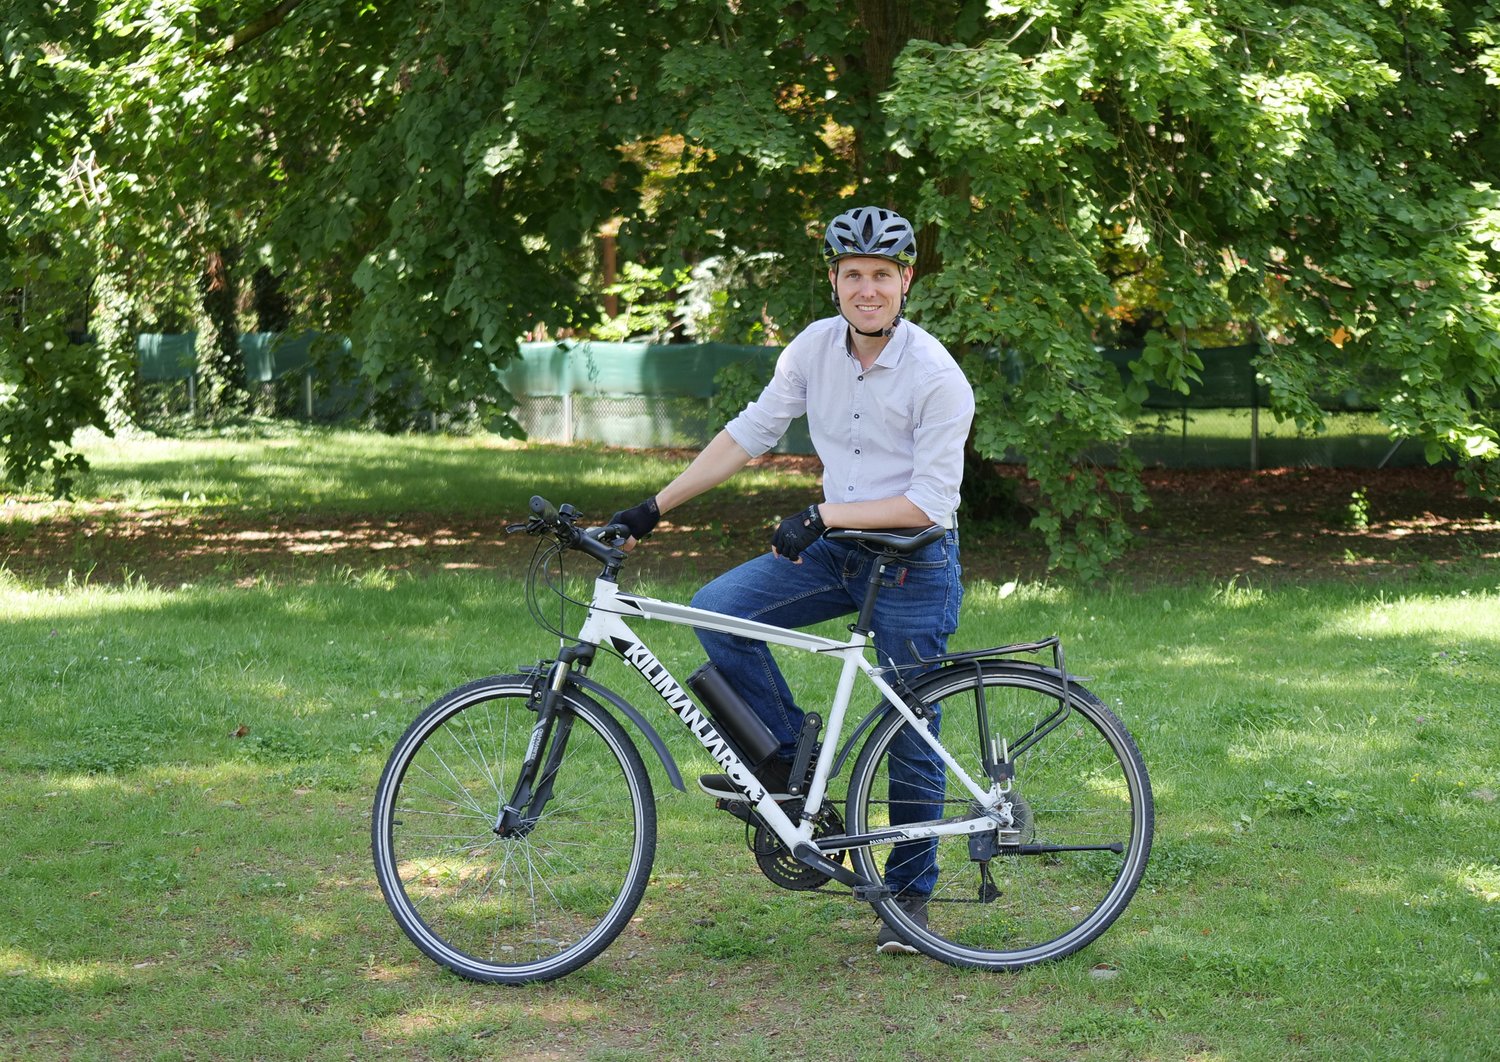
<point x="777" y="862"/>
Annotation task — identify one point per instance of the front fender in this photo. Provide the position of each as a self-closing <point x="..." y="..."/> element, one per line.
<point x="628" y="710"/>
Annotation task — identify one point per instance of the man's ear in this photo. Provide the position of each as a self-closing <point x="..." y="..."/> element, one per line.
<point x="907" y="273"/>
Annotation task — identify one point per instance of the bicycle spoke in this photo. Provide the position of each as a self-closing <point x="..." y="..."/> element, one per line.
<point x="548" y="895"/>
<point x="1049" y="884"/>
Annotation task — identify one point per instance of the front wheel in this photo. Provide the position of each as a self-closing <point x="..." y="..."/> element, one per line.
<point x="519" y="905"/>
<point x="1079" y="808"/>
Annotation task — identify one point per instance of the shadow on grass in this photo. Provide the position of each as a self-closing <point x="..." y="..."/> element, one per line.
<point x="167" y="871"/>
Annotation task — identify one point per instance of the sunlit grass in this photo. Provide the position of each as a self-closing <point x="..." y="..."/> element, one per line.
<point x="1218" y="438"/>
<point x="187" y="773"/>
<point x="312" y="469"/>
<point x="185" y="781"/>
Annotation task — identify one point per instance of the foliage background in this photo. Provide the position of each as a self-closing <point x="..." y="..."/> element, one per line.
<point x="434" y="180"/>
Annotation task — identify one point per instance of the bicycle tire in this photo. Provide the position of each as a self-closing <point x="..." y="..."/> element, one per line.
<point x="1082" y="783"/>
<point x="531" y="907"/>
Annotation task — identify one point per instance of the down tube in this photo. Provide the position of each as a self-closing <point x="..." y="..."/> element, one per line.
<point x="620" y="637"/>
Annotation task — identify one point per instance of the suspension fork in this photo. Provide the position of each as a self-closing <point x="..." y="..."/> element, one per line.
<point x="533" y="786"/>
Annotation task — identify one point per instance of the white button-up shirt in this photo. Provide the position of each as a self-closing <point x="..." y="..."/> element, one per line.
<point x="895" y="429"/>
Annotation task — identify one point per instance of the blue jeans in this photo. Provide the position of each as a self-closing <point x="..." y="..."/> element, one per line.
<point x="918" y="603"/>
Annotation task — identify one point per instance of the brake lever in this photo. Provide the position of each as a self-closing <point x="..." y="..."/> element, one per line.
<point x="535" y="526"/>
<point x="612" y="534"/>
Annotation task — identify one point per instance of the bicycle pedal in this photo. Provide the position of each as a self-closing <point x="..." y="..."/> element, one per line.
<point x="738" y="808"/>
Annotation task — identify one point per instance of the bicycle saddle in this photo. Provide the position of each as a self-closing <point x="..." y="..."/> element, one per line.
<point x="897" y="540"/>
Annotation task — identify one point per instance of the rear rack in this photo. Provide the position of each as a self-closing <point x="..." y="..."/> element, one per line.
<point x="999" y="766"/>
<point x="1053" y="643"/>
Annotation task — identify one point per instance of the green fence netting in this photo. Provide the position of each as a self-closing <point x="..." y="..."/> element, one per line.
<point x="165" y="357"/>
<point x="672" y="370"/>
<point x="271" y="355"/>
<point x="654" y="395"/>
<point x="630" y="394"/>
<point x="1226" y="381"/>
<point x="1229" y="380"/>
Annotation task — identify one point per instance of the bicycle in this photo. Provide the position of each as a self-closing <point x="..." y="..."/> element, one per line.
<point x="514" y="826"/>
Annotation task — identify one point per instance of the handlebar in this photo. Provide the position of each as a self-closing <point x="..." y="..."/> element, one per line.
<point x="562" y="522"/>
<point x="543" y="510"/>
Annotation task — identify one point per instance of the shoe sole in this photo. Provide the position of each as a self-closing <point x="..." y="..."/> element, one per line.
<point x="896" y="947"/>
<point x="736" y="796"/>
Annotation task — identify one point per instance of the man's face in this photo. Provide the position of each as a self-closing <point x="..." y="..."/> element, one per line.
<point x="869" y="290"/>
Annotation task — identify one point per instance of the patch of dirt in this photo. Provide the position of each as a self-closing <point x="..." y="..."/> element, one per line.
<point x="1304" y="524"/>
<point x="1203" y="525"/>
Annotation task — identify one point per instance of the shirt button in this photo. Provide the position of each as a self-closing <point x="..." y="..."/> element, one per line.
<point x="851" y="488"/>
<point x="856" y="451"/>
<point x="861" y="377"/>
<point x="856" y="416"/>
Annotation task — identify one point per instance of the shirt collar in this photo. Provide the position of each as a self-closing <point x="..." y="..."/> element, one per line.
<point x="890" y="357"/>
<point x="895" y="350"/>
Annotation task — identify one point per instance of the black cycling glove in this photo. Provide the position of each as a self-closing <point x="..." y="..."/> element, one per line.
<point x="641" y="520"/>
<point x="798" y="532"/>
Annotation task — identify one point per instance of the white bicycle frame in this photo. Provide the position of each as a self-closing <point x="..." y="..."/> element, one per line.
<point x="605" y="625"/>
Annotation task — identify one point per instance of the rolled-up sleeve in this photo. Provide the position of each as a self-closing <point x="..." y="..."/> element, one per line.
<point x="944" y="415"/>
<point x="763" y="422"/>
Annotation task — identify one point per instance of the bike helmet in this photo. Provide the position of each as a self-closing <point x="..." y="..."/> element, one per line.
<point x="870" y="232"/>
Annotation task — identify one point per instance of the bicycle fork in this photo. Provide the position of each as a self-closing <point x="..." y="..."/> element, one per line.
<point x="533" y="786"/>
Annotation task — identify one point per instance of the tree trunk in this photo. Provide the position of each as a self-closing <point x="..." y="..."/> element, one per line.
<point x="223" y="367"/>
<point x="273" y="310"/>
<point x="889" y="26"/>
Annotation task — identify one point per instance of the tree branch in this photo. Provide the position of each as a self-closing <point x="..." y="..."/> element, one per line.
<point x="259" y="27"/>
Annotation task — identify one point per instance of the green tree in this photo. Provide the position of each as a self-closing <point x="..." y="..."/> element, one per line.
<point x="48" y="385"/>
<point x="1317" y="173"/>
<point x="430" y="179"/>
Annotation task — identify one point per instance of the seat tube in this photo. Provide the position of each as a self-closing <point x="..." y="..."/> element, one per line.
<point x="853" y="658"/>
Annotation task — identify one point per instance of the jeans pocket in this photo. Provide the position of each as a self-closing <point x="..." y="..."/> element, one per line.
<point x="931" y="557"/>
<point x="917" y="579"/>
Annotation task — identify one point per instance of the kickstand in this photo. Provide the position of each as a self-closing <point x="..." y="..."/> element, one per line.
<point x="989" y="892"/>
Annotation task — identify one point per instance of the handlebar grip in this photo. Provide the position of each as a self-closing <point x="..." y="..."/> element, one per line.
<point x="575" y="537"/>
<point x="543" y="508"/>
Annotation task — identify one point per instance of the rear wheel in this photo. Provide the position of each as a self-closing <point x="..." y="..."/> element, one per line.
<point x="1080" y="808"/>
<point x="543" y="900"/>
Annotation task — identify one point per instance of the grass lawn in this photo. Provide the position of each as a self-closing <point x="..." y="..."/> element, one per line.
<point x="184" y="871"/>
<point x="278" y="470"/>
<point x="1221" y="438"/>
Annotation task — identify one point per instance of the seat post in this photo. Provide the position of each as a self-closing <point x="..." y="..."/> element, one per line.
<point x="886" y="545"/>
<point x="862" y="623"/>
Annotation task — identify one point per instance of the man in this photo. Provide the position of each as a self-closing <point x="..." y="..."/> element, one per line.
<point x="889" y="412"/>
